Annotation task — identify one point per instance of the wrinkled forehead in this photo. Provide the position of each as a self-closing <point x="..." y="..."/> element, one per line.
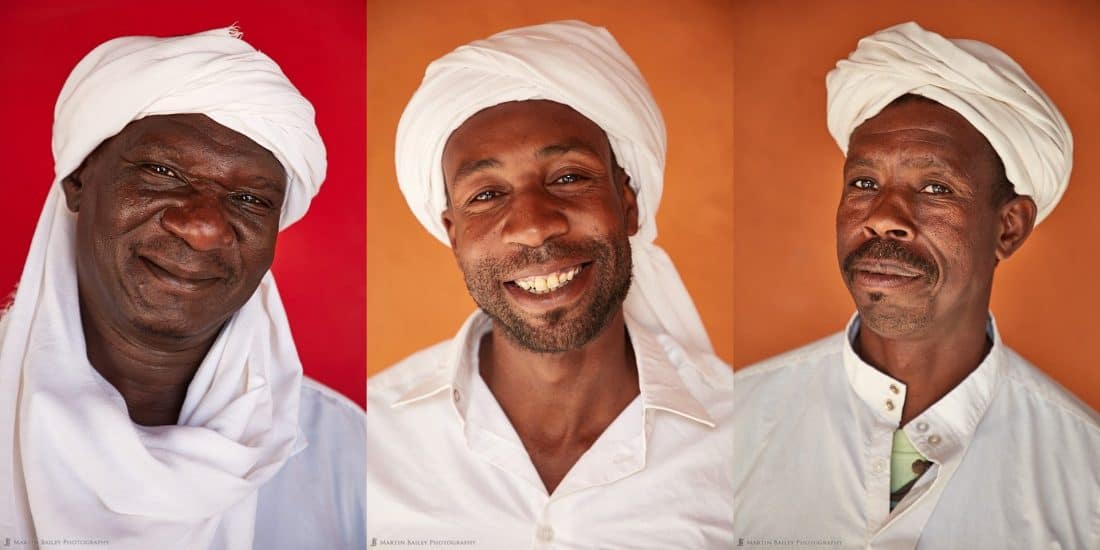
<point x="536" y="120"/>
<point x="913" y="121"/>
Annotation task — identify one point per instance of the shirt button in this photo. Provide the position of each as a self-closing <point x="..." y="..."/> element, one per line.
<point x="922" y="426"/>
<point x="889" y="404"/>
<point x="933" y="440"/>
<point x="457" y="395"/>
<point x="544" y="533"/>
<point x="894" y="389"/>
<point x="878" y="466"/>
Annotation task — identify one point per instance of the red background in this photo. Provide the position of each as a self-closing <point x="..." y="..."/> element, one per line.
<point x="320" y="261"/>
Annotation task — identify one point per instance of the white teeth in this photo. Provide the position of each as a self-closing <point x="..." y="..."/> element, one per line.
<point x="542" y="284"/>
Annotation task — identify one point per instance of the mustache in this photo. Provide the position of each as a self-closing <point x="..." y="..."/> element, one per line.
<point x="500" y="268"/>
<point x="889" y="249"/>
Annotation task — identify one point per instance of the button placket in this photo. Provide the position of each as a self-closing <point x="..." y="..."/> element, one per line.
<point x="544" y="533"/>
<point x="878" y="466"/>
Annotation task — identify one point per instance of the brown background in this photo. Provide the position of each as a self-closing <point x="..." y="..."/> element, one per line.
<point x="415" y="293"/>
<point x="788" y="175"/>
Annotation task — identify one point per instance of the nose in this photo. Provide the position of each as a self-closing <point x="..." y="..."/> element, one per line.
<point x="890" y="217"/>
<point x="201" y="222"/>
<point x="534" y="217"/>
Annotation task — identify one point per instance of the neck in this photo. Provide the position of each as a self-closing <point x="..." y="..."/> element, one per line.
<point x="562" y="395"/>
<point x="930" y="365"/>
<point x="151" y="374"/>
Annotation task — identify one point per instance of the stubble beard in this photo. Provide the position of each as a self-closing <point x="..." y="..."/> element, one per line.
<point x="558" y="330"/>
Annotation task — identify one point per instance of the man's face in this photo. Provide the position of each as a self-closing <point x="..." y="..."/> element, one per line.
<point x="176" y="225"/>
<point x="918" y="230"/>
<point x="539" y="220"/>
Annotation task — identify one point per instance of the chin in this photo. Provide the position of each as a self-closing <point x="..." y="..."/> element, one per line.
<point x="555" y="331"/>
<point x="176" y="325"/>
<point x="891" y="321"/>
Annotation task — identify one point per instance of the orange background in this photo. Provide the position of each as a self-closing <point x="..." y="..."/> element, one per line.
<point x="788" y="175"/>
<point x="415" y="292"/>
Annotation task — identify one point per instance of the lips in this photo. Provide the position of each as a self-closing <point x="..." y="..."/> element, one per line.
<point x="536" y="290"/>
<point x="179" y="276"/>
<point x="886" y="267"/>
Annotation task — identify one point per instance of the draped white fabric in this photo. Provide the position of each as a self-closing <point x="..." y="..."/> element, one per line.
<point x="578" y="65"/>
<point x="976" y="80"/>
<point x="73" y="467"/>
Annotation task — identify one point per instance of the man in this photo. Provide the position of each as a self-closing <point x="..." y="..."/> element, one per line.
<point x="152" y="394"/>
<point x="581" y="406"/>
<point x="917" y="427"/>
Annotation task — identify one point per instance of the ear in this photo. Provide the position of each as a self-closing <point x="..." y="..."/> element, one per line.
<point x="73" y="185"/>
<point x="1016" y="220"/>
<point x="630" y="202"/>
<point x="449" y="223"/>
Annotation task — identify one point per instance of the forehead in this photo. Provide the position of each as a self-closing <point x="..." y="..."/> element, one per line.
<point x="923" y="127"/>
<point x="514" y="125"/>
<point x="196" y="137"/>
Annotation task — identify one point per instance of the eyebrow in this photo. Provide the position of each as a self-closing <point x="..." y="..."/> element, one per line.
<point x="470" y="167"/>
<point x="559" y="149"/>
<point x="171" y="153"/>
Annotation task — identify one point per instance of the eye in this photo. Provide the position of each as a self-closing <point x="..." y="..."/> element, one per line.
<point x="570" y="178"/>
<point x="935" y="189"/>
<point x="161" y="170"/>
<point x="249" y="198"/>
<point x="484" y="196"/>
<point x="863" y="184"/>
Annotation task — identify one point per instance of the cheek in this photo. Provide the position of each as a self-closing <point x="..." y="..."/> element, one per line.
<point x="257" y="252"/>
<point x="475" y="233"/>
<point x="850" y="213"/>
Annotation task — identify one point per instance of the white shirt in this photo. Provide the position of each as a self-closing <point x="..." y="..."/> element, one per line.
<point x="316" y="501"/>
<point x="445" y="465"/>
<point x="1016" y="457"/>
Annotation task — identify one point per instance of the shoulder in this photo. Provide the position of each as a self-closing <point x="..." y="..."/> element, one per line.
<point x="386" y="387"/>
<point x="319" y="494"/>
<point x="335" y="431"/>
<point x="1044" y="396"/>
<point x="798" y="362"/>
<point x="322" y="407"/>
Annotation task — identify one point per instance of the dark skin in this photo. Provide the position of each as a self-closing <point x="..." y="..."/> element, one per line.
<point x="921" y="198"/>
<point x="177" y="218"/>
<point x="528" y="176"/>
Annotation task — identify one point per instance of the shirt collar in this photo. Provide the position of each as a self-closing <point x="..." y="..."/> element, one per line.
<point x="659" y="380"/>
<point x="944" y="430"/>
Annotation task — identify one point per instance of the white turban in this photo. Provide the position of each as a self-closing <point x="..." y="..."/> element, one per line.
<point x="72" y="464"/>
<point x="974" y="79"/>
<point x="575" y="64"/>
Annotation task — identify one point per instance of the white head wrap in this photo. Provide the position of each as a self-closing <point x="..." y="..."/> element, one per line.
<point x="974" y="79"/>
<point x="575" y="64"/>
<point x="72" y="464"/>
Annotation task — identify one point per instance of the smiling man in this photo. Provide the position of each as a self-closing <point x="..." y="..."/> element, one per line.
<point x="583" y="395"/>
<point x="152" y="396"/>
<point x="917" y="427"/>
